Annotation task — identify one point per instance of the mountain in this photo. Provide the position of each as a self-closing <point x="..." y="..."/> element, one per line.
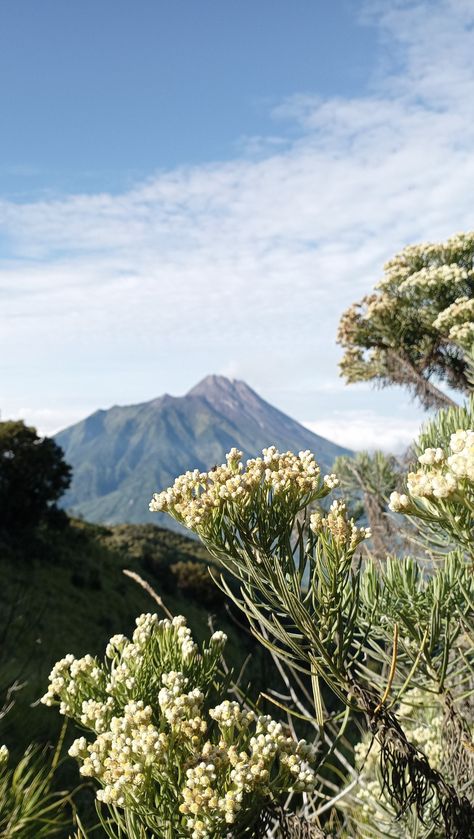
<point x="122" y="455"/>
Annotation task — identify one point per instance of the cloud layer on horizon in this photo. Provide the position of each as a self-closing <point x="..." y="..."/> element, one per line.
<point x="363" y="429"/>
<point x="247" y="264"/>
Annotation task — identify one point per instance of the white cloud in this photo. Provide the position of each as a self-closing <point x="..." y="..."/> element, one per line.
<point x="50" y="420"/>
<point x="248" y="264"/>
<point x="367" y="430"/>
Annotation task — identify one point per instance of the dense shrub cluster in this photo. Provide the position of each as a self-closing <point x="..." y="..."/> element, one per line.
<point x="164" y="753"/>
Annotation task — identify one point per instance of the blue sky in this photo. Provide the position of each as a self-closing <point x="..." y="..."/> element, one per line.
<point x="97" y="95"/>
<point x="196" y="187"/>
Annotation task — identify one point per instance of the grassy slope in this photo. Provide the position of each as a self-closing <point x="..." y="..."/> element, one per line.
<point x="67" y="593"/>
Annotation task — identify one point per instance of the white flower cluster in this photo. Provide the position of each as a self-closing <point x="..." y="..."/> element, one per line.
<point x="127" y="656"/>
<point x="399" y="502"/>
<point x="434" y="484"/>
<point x="461" y="311"/>
<point x="249" y="770"/>
<point x="461" y="461"/>
<point x="201" y="802"/>
<point x="374" y="305"/>
<point x="462" y="334"/>
<point x="183" y="632"/>
<point x="121" y="758"/>
<point x="271" y="738"/>
<point x="457" y="321"/>
<point x="182" y="710"/>
<point x="71" y="679"/>
<point x="66" y="680"/>
<point x="331" y="481"/>
<point x="458" y="248"/>
<point x="444" y="473"/>
<point x="434" y="276"/>
<point x="116" y="645"/>
<point x="145" y="627"/>
<point x="228" y="714"/>
<point x="431" y="457"/>
<point x="344" y="531"/>
<point x="218" y="639"/>
<point x="196" y="497"/>
<point x="223" y="762"/>
<point x="96" y="715"/>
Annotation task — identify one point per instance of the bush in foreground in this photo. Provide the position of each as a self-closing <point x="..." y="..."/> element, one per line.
<point x="173" y="756"/>
<point x="370" y="632"/>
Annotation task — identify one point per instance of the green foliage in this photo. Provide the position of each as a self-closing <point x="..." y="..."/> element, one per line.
<point x="415" y="329"/>
<point x="70" y="594"/>
<point x="153" y="548"/>
<point x="371" y="633"/>
<point x="374" y="653"/>
<point x="194" y="578"/>
<point x="440" y="499"/>
<point x="373" y="473"/>
<point x="430" y="611"/>
<point x="437" y="431"/>
<point x="370" y="478"/>
<point x="33" y="476"/>
<point x="29" y="806"/>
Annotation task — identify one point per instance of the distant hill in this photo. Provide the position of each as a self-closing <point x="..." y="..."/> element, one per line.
<point x="122" y="455"/>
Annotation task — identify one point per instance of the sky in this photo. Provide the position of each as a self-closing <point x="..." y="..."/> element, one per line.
<point x="196" y="186"/>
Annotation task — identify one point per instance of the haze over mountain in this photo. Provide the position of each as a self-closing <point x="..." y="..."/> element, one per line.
<point x="122" y="455"/>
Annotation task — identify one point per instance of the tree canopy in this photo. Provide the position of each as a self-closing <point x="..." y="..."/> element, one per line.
<point x="33" y="476"/>
<point x="416" y="329"/>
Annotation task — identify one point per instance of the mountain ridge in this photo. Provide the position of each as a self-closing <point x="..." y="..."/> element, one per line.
<point x="122" y="455"/>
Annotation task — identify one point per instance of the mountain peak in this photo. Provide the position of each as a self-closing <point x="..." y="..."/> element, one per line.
<point x="226" y="395"/>
<point x="214" y="385"/>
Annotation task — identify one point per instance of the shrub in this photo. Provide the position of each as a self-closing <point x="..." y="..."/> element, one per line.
<point x="172" y="756"/>
<point x="370" y="631"/>
<point x="417" y="327"/>
<point x="194" y="579"/>
<point x="33" y="476"/>
<point x="29" y="806"/>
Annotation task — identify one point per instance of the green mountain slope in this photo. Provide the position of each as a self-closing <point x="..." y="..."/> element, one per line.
<point x="123" y="455"/>
<point x="66" y="592"/>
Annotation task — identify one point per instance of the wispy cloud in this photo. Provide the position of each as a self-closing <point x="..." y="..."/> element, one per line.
<point x="248" y="264"/>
